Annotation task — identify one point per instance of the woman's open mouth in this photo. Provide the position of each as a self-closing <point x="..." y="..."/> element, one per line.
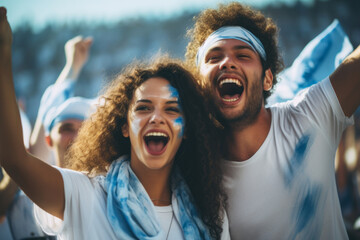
<point x="230" y="90"/>
<point x="156" y="142"/>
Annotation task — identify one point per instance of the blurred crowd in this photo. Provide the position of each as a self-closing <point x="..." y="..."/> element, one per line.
<point x="60" y="115"/>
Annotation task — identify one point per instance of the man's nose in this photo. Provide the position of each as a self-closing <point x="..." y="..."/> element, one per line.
<point x="227" y="63"/>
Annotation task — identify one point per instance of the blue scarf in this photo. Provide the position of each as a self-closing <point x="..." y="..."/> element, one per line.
<point x="131" y="212"/>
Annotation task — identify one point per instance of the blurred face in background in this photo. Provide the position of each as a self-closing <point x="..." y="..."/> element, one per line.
<point x="61" y="136"/>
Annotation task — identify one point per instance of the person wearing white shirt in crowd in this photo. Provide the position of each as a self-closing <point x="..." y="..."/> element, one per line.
<point x="55" y="129"/>
<point x="279" y="160"/>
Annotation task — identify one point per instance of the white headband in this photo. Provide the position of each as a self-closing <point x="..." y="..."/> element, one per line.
<point x="231" y="32"/>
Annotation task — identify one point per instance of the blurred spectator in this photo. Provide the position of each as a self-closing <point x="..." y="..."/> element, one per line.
<point x="16" y="209"/>
<point x="60" y="117"/>
<point x="348" y="177"/>
<point x="60" y="114"/>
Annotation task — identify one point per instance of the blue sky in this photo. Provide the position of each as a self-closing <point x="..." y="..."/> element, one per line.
<point x="40" y="12"/>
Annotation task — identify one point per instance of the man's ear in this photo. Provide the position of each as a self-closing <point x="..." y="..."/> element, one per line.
<point x="48" y="141"/>
<point x="125" y="130"/>
<point x="268" y="80"/>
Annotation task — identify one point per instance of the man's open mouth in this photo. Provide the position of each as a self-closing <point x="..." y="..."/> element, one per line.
<point x="230" y="89"/>
<point x="156" y="142"/>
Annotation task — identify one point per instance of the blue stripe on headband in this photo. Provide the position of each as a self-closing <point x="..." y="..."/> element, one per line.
<point x="231" y="32"/>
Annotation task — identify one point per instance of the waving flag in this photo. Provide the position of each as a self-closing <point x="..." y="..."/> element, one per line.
<point x="319" y="59"/>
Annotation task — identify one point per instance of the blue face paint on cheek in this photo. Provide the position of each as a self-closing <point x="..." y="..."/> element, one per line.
<point x="180" y="121"/>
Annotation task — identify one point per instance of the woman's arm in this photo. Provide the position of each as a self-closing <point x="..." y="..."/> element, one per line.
<point x="41" y="182"/>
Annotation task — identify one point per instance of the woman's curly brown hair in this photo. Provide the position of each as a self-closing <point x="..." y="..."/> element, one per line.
<point x="236" y="14"/>
<point x="100" y="140"/>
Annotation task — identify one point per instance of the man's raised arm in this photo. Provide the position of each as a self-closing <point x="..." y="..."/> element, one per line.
<point x="346" y="82"/>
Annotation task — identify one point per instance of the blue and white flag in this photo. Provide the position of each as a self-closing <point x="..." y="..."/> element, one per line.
<point x="320" y="57"/>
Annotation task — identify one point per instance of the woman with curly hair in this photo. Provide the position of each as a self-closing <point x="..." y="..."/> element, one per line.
<point x="146" y="168"/>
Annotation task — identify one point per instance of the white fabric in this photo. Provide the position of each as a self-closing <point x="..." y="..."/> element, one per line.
<point x="164" y="215"/>
<point x="72" y="108"/>
<point x="168" y="222"/>
<point x="20" y="222"/>
<point x="287" y="189"/>
<point x="85" y="212"/>
<point x="5" y="231"/>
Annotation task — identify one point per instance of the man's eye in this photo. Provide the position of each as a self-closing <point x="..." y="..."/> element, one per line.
<point x="243" y="56"/>
<point x="213" y="58"/>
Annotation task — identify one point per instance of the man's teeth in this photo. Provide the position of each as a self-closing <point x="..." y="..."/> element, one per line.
<point x="230" y="80"/>
<point x="156" y="134"/>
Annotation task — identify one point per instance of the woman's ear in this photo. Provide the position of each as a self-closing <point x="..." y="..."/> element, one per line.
<point x="125" y="130"/>
<point x="268" y="80"/>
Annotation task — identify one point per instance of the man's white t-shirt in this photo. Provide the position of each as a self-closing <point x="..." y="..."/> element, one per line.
<point x="287" y="189"/>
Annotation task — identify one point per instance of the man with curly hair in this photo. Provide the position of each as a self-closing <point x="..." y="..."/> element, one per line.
<point x="278" y="161"/>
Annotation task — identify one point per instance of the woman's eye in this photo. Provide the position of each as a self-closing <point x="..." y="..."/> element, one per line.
<point x="142" y="108"/>
<point x="173" y="109"/>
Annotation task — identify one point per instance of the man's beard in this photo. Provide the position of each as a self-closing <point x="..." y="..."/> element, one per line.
<point x="250" y="112"/>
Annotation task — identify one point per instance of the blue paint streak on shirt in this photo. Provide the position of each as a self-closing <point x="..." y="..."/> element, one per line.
<point x="306" y="209"/>
<point x="297" y="159"/>
<point x="180" y="121"/>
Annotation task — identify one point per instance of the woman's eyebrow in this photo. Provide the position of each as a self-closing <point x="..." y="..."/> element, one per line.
<point x="143" y="101"/>
<point x="173" y="101"/>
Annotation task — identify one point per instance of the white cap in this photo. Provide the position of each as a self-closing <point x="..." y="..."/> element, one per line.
<point x="73" y="108"/>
